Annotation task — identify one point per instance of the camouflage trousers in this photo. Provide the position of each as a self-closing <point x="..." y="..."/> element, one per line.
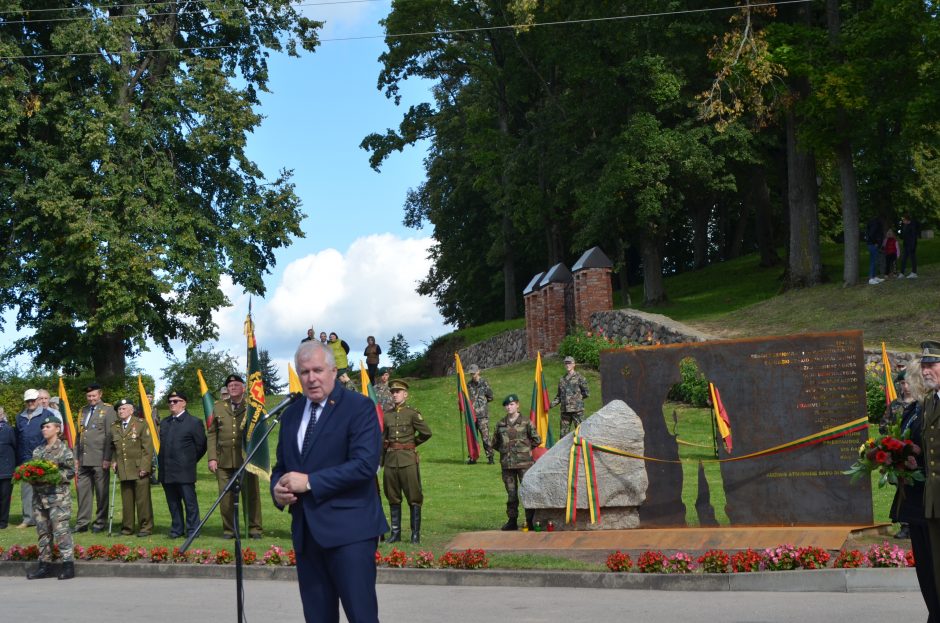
<point x="52" y="526"/>
<point x="570" y="420"/>
<point x="483" y="425"/>
<point x="512" y="478"/>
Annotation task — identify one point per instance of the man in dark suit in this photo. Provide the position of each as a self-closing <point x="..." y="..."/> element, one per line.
<point x="182" y="444"/>
<point x="327" y="457"/>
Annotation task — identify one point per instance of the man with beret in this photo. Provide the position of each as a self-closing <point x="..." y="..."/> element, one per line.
<point x="132" y="457"/>
<point x="572" y="390"/>
<point x="93" y="459"/>
<point x="480" y="396"/>
<point x="382" y="393"/>
<point x="182" y="445"/>
<point x="405" y="429"/>
<point x="226" y="438"/>
<point x="514" y="438"/>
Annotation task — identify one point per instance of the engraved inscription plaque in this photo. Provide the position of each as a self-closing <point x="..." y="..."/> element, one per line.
<point x="775" y="390"/>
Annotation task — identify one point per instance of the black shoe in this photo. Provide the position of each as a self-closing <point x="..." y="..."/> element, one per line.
<point x="395" y="534"/>
<point x="415" y="524"/>
<point x="173" y="535"/>
<point x="471" y="461"/>
<point x="96" y="529"/>
<point x="904" y="532"/>
<point x="76" y="529"/>
<point x="228" y="536"/>
<point x="489" y="460"/>
<point x="44" y="570"/>
<point x="255" y="535"/>
<point x="68" y="571"/>
<point x="143" y="534"/>
<point x="510" y="525"/>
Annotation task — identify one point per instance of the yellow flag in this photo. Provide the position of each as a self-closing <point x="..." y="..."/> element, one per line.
<point x="148" y="414"/>
<point x="364" y="377"/>
<point x="891" y="393"/>
<point x="70" y="435"/>
<point x="293" y="382"/>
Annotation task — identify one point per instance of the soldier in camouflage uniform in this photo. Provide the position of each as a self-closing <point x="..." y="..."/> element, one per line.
<point x="514" y="438"/>
<point x="572" y="390"/>
<point x="382" y="393"/>
<point x="348" y="383"/>
<point x="225" y="440"/>
<point x="480" y="396"/>
<point x="132" y="459"/>
<point x="52" y="504"/>
<point x="405" y="429"/>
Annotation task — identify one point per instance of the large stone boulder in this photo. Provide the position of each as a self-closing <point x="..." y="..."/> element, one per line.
<point x="621" y="481"/>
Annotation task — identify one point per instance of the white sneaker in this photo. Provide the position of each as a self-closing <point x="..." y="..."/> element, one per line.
<point x="912" y="276"/>
<point x="874" y="281"/>
<point x="900" y="275"/>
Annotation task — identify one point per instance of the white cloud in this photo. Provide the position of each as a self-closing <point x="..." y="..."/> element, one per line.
<point x="348" y="18"/>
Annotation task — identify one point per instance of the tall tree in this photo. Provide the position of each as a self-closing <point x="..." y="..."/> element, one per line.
<point x="126" y="190"/>
<point x="180" y="375"/>
<point x="269" y="373"/>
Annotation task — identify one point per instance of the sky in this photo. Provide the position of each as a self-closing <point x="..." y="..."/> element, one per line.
<point x="356" y="270"/>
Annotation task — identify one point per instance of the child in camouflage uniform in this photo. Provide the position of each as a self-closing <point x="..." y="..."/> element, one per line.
<point x="52" y="504"/>
<point x="514" y="438"/>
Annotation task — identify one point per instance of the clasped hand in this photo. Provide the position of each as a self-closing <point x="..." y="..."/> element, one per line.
<point x="289" y="487"/>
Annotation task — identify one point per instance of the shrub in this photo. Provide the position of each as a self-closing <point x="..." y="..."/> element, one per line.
<point x="1" y="553"/>
<point x="746" y="561"/>
<point x="397" y="558"/>
<point x="875" y="392"/>
<point x="159" y="554"/>
<point x="886" y="555"/>
<point x="424" y="560"/>
<point x="680" y="562"/>
<point x="200" y="556"/>
<point x="849" y="559"/>
<point x="651" y="562"/>
<point x="118" y="551"/>
<point x="179" y="555"/>
<point x="96" y="552"/>
<point x="475" y="559"/>
<point x="79" y="552"/>
<point x="715" y="561"/>
<point x="249" y="556"/>
<point x="781" y="558"/>
<point x="275" y="556"/>
<point x="223" y="557"/>
<point x="586" y="346"/>
<point x="18" y="552"/>
<point x="909" y="558"/>
<point x="135" y="554"/>
<point x="811" y="557"/>
<point x="291" y="558"/>
<point x="378" y="558"/>
<point x="618" y="561"/>
<point x="692" y="389"/>
<point x="449" y="560"/>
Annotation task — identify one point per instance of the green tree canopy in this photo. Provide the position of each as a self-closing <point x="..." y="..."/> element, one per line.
<point x="215" y="366"/>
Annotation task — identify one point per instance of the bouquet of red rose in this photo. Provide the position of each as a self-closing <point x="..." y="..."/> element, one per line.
<point x="38" y="472"/>
<point x="894" y="458"/>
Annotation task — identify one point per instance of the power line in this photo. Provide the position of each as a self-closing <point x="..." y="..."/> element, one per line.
<point x="423" y="33"/>
<point x="142" y="4"/>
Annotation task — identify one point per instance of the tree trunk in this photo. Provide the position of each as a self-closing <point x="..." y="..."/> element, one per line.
<point x="108" y="359"/>
<point x="759" y="197"/>
<point x="737" y="232"/>
<point x="510" y="308"/>
<point x="653" y="290"/>
<point x="624" y="262"/>
<point x="805" y="267"/>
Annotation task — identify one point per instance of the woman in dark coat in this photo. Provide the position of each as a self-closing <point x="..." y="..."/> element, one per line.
<point x="908" y="504"/>
<point x="7" y="466"/>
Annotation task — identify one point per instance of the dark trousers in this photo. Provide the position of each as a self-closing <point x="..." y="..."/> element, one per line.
<point x="92" y="479"/>
<point x="925" y="562"/>
<point x="373" y="370"/>
<point x="328" y="576"/>
<point x="909" y="251"/>
<point x="6" y="494"/>
<point x="178" y="495"/>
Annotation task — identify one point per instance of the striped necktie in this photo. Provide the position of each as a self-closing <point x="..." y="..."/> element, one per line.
<point x="311" y="424"/>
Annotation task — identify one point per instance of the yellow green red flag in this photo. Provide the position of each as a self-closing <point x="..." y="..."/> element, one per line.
<point x="69" y="423"/>
<point x="891" y="393"/>
<point x="148" y="414"/>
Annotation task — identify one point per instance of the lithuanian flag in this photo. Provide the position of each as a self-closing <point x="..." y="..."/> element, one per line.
<point x="891" y="393"/>
<point x="293" y="381"/>
<point x="467" y="415"/>
<point x="368" y="390"/>
<point x="148" y="414"/>
<point x="68" y="423"/>
<point x="538" y="412"/>
<point x="721" y="416"/>
<point x="208" y="403"/>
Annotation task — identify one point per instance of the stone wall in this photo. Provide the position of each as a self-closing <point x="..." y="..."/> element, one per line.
<point x="644" y="328"/>
<point x="505" y="348"/>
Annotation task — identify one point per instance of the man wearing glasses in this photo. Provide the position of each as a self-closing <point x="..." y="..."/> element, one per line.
<point x="182" y="444"/>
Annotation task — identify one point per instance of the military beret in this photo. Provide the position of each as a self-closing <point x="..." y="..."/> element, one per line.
<point x="92" y="387"/>
<point x="900" y="376"/>
<point x="473" y="369"/>
<point x="49" y="419"/>
<point x="234" y="377"/>
<point x="177" y="394"/>
<point x="396" y="384"/>
<point x="930" y="352"/>
<point x="510" y="398"/>
<point x="569" y="359"/>
<point x="122" y="402"/>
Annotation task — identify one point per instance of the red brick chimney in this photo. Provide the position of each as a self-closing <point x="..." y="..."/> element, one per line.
<point x="592" y="289"/>
<point x="534" y="324"/>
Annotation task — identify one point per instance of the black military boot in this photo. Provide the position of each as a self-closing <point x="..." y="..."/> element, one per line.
<point x="395" y="535"/>
<point x="416" y="523"/>
<point x="512" y="524"/>
<point x="68" y="571"/>
<point x="44" y="570"/>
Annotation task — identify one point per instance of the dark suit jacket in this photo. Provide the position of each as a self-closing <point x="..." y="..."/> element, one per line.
<point x="182" y="444"/>
<point x="342" y="506"/>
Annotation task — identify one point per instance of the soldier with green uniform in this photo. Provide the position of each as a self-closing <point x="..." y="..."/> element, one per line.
<point x="480" y="396"/>
<point x="226" y="439"/>
<point x="348" y="382"/>
<point x="382" y="393"/>
<point x="405" y="429"/>
<point x="93" y="459"/>
<point x="52" y="504"/>
<point x="132" y="459"/>
<point x="572" y="390"/>
<point x="514" y="438"/>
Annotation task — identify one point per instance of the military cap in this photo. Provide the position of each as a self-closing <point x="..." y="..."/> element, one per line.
<point x="234" y="377"/>
<point x="49" y="419"/>
<point x="177" y="394"/>
<point x="569" y="359"/>
<point x="473" y="369"/>
<point x="122" y="402"/>
<point x="396" y="384"/>
<point x="900" y="376"/>
<point x="510" y="398"/>
<point x="930" y="352"/>
<point x="92" y="387"/>
<point x="30" y="394"/>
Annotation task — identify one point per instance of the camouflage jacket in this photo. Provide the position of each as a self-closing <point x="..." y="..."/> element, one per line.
<point x="572" y="390"/>
<point x="480" y="395"/>
<point x="60" y="454"/>
<point x="514" y="442"/>
<point x="384" y="396"/>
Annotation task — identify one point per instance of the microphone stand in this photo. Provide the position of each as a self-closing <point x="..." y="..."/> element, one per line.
<point x="234" y="486"/>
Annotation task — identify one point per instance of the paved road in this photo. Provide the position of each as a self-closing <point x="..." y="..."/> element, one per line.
<point x="96" y="600"/>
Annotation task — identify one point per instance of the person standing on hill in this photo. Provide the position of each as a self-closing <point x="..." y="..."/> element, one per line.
<point x="572" y="390"/>
<point x="340" y="352"/>
<point x="910" y="232"/>
<point x="372" y="353"/>
<point x="874" y="237"/>
<point x="480" y="396"/>
<point x="514" y="438"/>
